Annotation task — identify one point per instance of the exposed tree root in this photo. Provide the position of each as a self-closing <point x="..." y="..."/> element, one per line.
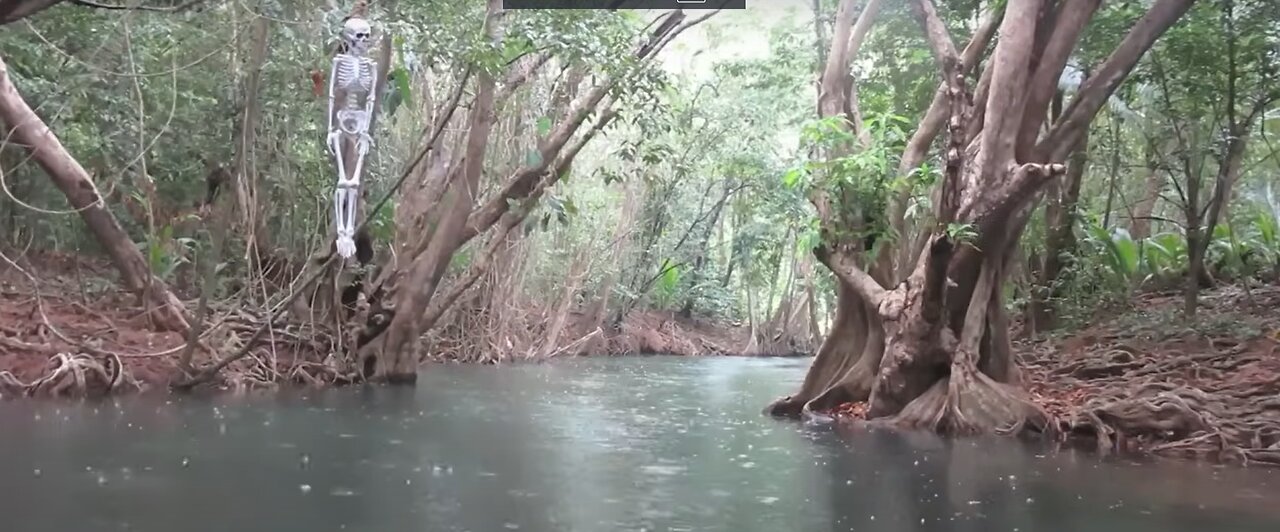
<point x="1202" y="393"/>
<point x="967" y="402"/>
<point x="68" y="375"/>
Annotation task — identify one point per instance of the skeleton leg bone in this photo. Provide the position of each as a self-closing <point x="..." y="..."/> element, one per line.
<point x="343" y="203"/>
<point x="346" y="244"/>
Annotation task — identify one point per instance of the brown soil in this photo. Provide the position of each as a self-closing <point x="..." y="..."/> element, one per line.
<point x="69" y="317"/>
<point x="82" y="313"/>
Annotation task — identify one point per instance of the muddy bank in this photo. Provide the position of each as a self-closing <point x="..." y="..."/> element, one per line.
<point x="1144" y="381"/>
<point x="83" y="336"/>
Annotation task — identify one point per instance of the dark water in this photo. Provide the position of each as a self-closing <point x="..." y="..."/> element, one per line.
<point x="656" y="444"/>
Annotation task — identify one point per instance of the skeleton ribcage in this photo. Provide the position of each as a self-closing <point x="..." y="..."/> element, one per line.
<point x="355" y="76"/>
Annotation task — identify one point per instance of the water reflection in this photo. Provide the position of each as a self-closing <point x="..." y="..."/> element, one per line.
<point x="608" y="444"/>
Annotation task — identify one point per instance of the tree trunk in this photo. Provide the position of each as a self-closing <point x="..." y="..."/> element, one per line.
<point x="404" y="301"/>
<point x="248" y="204"/>
<point x="573" y="281"/>
<point x="1228" y="170"/>
<point x="934" y="349"/>
<point x="700" y="252"/>
<point x="25" y="128"/>
<point x="621" y="241"/>
<point x="1060" y="239"/>
<point x="1145" y="208"/>
<point x="398" y="361"/>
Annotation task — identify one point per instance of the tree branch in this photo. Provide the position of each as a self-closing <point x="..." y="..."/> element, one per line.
<point x="1073" y="16"/>
<point x="1024" y="182"/>
<point x="851" y="275"/>
<point x="1002" y="115"/>
<point x="121" y="7"/>
<point x="525" y="179"/>
<point x="944" y="51"/>
<point x="1094" y="93"/>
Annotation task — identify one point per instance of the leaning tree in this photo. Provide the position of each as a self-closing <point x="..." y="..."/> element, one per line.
<point x="920" y="331"/>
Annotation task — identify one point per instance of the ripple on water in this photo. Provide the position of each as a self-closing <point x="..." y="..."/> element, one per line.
<point x="583" y="444"/>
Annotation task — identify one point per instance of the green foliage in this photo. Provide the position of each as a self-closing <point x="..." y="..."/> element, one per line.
<point x="962" y="233"/>
<point x="165" y="253"/>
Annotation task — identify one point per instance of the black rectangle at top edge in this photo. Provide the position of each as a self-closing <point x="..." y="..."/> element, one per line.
<point x="624" y="4"/>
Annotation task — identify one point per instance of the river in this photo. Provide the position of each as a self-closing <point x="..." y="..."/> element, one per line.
<point x="644" y="443"/>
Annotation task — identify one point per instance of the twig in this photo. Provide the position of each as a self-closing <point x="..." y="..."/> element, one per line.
<point x="115" y="7"/>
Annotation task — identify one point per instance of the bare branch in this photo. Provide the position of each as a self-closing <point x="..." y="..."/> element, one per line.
<point x="518" y="75"/>
<point x="1024" y="182"/>
<point x="861" y="28"/>
<point x="525" y="179"/>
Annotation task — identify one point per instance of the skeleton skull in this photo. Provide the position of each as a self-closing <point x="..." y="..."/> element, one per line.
<point x="356" y="33"/>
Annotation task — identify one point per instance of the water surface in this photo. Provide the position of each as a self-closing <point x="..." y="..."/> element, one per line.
<point x="654" y="444"/>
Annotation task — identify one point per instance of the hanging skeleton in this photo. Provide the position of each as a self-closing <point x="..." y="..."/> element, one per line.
<point x="352" y="80"/>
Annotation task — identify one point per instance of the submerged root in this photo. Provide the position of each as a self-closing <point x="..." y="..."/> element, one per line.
<point x="967" y="402"/>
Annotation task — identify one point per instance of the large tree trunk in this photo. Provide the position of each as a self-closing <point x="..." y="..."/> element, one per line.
<point x="26" y="129"/>
<point x="935" y="346"/>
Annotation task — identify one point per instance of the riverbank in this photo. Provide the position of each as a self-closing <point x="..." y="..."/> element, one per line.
<point x="1145" y="380"/>
<point x="1141" y="380"/>
<point x="84" y="335"/>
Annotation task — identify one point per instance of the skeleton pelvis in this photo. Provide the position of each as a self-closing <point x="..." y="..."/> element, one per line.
<point x="353" y="121"/>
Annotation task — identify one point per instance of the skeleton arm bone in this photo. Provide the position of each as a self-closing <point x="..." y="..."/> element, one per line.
<point x="370" y="101"/>
<point x="333" y="82"/>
